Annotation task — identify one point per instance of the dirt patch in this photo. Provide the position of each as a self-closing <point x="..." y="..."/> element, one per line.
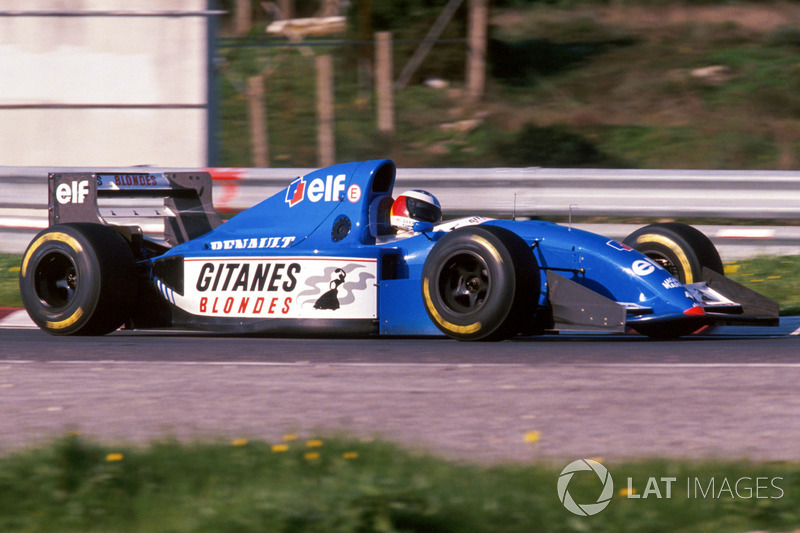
<point x="753" y="17"/>
<point x="758" y="18"/>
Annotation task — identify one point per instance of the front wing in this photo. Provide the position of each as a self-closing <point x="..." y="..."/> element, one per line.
<point x="720" y="301"/>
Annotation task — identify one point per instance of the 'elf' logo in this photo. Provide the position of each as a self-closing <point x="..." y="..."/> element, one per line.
<point x="74" y="194"/>
<point x="330" y="189"/>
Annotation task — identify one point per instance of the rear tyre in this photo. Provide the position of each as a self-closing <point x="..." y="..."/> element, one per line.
<point x="481" y="283"/>
<point x="77" y="279"/>
<point x="679" y="248"/>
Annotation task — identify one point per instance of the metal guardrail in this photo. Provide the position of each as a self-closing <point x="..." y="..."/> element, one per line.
<point x="524" y="192"/>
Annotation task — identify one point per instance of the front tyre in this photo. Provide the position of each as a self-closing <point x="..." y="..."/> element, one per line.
<point x="77" y="279"/>
<point x="679" y="248"/>
<point x="480" y="283"/>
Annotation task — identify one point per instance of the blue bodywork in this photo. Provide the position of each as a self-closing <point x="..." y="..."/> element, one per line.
<point x="319" y="256"/>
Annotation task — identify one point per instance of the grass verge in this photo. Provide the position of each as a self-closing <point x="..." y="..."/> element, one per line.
<point x="775" y="277"/>
<point x="9" y="280"/>
<point x="348" y="485"/>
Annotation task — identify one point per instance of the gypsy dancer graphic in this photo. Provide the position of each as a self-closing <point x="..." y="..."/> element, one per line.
<point x="337" y="287"/>
<point x="330" y="300"/>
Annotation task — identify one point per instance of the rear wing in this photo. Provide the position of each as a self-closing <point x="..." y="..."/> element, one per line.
<point x="170" y="207"/>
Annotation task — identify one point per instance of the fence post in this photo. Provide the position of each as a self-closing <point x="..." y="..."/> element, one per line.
<point x="287" y="8"/>
<point x="258" y="121"/>
<point x="242" y="17"/>
<point x="365" y="57"/>
<point x="383" y="81"/>
<point x="325" y="99"/>
<point x="476" y="56"/>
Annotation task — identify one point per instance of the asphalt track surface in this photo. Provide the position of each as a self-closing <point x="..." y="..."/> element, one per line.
<point x="615" y="397"/>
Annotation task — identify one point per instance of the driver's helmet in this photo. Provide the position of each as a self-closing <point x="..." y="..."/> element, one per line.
<point x="414" y="206"/>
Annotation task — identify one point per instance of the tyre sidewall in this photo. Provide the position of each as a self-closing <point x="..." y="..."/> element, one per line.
<point x="685" y="247"/>
<point x="495" y="319"/>
<point x="103" y="265"/>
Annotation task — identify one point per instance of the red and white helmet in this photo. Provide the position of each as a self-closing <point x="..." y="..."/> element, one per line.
<point x="414" y="206"/>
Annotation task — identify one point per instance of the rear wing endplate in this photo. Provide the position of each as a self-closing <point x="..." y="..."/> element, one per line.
<point x="187" y="209"/>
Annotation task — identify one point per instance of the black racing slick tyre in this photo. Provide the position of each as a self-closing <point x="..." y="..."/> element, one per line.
<point x="480" y="283"/>
<point x="77" y="279"/>
<point x="679" y="248"/>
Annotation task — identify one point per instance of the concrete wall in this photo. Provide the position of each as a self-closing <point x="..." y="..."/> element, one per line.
<point x="103" y="90"/>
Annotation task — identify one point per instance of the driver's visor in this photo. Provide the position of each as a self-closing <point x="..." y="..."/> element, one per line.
<point x="423" y="211"/>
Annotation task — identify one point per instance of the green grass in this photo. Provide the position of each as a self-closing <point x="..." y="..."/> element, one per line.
<point x="9" y="280"/>
<point x="346" y="485"/>
<point x="775" y="277"/>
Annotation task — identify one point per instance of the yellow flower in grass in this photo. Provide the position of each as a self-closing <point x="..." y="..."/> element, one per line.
<point x="114" y="457"/>
<point x="290" y="437"/>
<point x="314" y="443"/>
<point x="732" y="268"/>
<point x="532" y="436"/>
<point x="239" y="442"/>
<point x="279" y="448"/>
<point x="311" y="456"/>
<point x="626" y="491"/>
<point x="350" y="455"/>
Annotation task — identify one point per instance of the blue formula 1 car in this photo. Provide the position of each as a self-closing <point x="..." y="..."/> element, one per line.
<point x="335" y="254"/>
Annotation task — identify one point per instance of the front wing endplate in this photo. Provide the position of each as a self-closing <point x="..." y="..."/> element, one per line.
<point x="576" y="308"/>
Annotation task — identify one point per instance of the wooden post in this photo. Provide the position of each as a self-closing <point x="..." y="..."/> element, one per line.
<point x="383" y="81"/>
<point x="242" y="17"/>
<point x="365" y="52"/>
<point x="287" y="8"/>
<point x="476" y="56"/>
<point x="258" y="121"/>
<point x="325" y="99"/>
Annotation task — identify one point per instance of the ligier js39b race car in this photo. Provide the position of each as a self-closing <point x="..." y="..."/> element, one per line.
<point x="334" y="254"/>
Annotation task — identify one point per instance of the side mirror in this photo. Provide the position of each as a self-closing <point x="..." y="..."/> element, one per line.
<point x="422" y="227"/>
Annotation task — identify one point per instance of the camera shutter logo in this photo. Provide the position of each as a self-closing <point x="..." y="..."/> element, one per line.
<point x="585" y="509"/>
